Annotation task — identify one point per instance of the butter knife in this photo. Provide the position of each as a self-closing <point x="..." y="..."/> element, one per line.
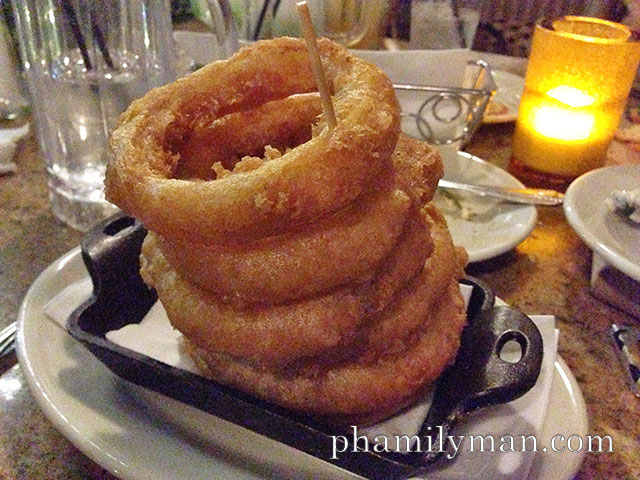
<point x="531" y="196"/>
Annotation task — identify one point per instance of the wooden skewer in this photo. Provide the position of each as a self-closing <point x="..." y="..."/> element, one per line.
<point x="316" y="63"/>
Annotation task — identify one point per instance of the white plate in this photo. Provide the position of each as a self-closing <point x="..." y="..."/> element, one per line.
<point x="616" y="239"/>
<point x="93" y="408"/>
<point x="508" y="93"/>
<point x="496" y="227"/>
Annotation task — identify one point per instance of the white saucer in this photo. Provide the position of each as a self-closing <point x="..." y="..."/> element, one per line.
<point x="497" y="227"/>
<point x="94" y="410"/>
<point x="616" y="239"/>
<point x="508" y="93"/>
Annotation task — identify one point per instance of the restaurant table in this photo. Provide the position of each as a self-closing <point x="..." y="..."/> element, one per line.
<point x="547" y="273"/>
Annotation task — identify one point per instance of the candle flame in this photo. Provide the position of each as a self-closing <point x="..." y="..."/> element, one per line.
<point x="563" y="124"/>
<point x="571" y="96"/>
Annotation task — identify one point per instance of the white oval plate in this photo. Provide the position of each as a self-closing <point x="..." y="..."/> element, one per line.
<point x="613" y="237"/>
<point x="96" y="411"/>
<point x="496" y="227"/>
<point x="508" y="93"/>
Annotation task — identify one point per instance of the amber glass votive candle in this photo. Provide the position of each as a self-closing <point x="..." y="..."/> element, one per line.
<point x="578" y="79"/>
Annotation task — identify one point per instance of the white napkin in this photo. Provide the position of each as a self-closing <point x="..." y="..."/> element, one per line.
<point x="9" y="138"/>
<point x="435" y="68"/>
<point x="155" y="338"/>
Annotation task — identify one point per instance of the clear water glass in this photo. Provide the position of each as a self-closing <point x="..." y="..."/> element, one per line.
<point x="343" y="21"/>
<point x="85" y="61"/>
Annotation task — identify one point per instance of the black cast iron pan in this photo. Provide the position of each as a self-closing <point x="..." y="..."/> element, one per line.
<point x="479" y="377"/>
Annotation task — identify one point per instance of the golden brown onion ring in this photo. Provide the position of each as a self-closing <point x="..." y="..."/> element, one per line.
<point x="276" y="335"/>
<point x="281" y="123"/>
<point x="390" y="331"/>
<point x="345" y="247"/>
<point x="314" y="179"/>
<point x="417" y="167"/>
<point x="364" y="391"/>
<point x="393" y="329"/>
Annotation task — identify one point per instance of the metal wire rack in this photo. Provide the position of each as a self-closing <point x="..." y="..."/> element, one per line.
<point x="442" y="115"/>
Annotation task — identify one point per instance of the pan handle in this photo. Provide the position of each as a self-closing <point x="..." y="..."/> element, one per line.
<point x="111" y="252"/>
<point x="480" y="377"/>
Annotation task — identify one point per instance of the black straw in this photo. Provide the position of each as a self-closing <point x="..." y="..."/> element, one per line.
<point x="276" y="5"/>
<point x="72" y="18"/>
<point x="263" y="13"/>
<point x="102" y="45"/>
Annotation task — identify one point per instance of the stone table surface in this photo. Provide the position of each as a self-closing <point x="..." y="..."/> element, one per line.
<point x="547" y="273"/>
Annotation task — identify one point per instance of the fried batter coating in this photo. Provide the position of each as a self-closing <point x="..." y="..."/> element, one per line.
<point x="309" y="181"/>
<point x="346" y="247"/>
<point x="303" y="264"/>
<point x="282" y="124"/>
<point x="275" y="335"/>
<point x="396" y="355"/>
<point x="356" y="391"/>
<point x="417" y="167"/>
<point x="393" y="329"/>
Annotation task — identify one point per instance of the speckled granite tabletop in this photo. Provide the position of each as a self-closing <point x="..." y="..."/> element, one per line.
<point x="547" y="273"/>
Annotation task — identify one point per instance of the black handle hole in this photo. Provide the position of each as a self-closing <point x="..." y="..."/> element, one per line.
<point x="511" y="347"/>
<point x="117" y="226"/>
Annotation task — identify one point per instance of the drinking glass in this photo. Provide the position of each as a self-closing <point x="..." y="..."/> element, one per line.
<point x="342" y="21"/>
<point x="441" y="25"/>
<point x="85" y="61"/>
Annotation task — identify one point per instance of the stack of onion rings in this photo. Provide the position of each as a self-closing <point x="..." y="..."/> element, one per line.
<point x="316" y="178"/>
<point x="302" y="264"/>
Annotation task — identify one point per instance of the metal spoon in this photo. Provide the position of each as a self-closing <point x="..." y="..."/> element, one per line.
<point x="530" y="196"/>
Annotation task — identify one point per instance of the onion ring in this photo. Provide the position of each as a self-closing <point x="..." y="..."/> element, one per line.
<point x="393" y="329"/>
<point x="417" y="167"/>
<point x="338" y="249"/>
<point x="280" y="123"/>
<point x="364" y="391"/>
<point x="314" y="179"/>
<point x="345" y="247"/>
<point x="390" y="331"/>
<point x="278" y="334"/>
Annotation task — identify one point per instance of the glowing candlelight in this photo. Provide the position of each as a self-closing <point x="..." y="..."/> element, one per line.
<point x="561" y="123"/>
<point x="579" y="75"/>
<point x="552" y="122"/>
